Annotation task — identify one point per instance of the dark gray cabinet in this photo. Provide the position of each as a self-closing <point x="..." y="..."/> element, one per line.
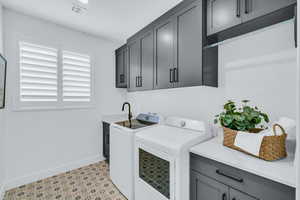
<point x="210" y="66"/>
<point x="188" y="46"/>
<point x="147" y="61"/>
<point x="257" y="8"/>
<point x="236" y="195"/>
<point x="134" y="65"/>
<point x="222" y="15"/>
<point x="178" y="48"/>
<point x="141" y="63"/>
<point x="168" y="53"/>
<point x="164" y="54"/>
<point x="204" y="188"/>
<point x="212" y="180"/>
<point x="106" y="130"/>
<point x="121" y="67"/>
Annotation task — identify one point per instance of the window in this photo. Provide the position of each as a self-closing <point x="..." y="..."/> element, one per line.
<point x="76" y="77"/>
<point x="38" y="73"/>
<point x="48" y="80"/>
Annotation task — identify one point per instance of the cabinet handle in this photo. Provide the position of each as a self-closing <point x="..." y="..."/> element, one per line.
<point x="240" y="180"/>
<point x="121" y="78"/>
<point x="197" y="188"/>
<point x="238" y="8"/>
<point x="175" y="72"/>
<point x="141" y="81"/>
<point x="171" y="76"/>
<point x="224" y="196"/>
<point x="247" y="9"/>
<point x="136" y="81"/>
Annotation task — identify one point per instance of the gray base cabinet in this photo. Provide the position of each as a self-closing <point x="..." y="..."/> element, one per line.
<point x="236" y="195"/>
<point x="211" y="180"/>
<point x="106" y="132"/>
<point x="204" y="188"/>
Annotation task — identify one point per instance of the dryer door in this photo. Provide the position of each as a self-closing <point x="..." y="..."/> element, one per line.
<point x="155" y="177"/>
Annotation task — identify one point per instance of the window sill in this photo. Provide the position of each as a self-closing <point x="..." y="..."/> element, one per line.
<point x="52" y="108"/>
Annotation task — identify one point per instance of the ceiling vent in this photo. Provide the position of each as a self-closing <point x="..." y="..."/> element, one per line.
<point x="79" y="7"/>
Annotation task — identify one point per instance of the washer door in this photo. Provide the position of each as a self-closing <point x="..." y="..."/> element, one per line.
<point x="155" y="177"/>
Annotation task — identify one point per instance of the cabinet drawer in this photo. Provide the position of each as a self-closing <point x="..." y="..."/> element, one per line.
<point x="257" y="186"/>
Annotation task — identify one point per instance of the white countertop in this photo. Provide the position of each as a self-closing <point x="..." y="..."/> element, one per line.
<point x="282" y="171"/>
<point x="114" y="118"/>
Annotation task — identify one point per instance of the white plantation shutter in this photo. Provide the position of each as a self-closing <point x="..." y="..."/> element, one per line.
<point x="38" y="73"/>
<point x="76" y="77"/>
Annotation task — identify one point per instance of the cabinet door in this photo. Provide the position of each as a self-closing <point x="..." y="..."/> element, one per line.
<point x="134" y="65"/>
<point x="164" y="54"/>
<point x="147" y="61"/>
<point x="210" y="66"/>
<point x="257" y="8"/>
<point x="204" y="188"/>
<point x="188" y="59"/>
<point x="105" y="127"/>
<point x="119" y="68"/>
<point x="222" y="15"/>
<point x="236" y="195"/>
<point x="125" y="68"/>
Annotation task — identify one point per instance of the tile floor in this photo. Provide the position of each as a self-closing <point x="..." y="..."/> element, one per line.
<point x="87" y="183"/>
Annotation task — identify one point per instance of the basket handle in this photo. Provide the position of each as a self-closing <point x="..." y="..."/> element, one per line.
<point x="281" y="128"/>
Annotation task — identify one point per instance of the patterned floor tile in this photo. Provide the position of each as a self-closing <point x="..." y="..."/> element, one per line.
<point x="87" y="183"/>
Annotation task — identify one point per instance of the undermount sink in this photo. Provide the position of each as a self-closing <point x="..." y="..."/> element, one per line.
<point x="134" y="123"/>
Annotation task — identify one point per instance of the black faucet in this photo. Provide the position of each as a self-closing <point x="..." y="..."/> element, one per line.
<point x="129" y="111"/>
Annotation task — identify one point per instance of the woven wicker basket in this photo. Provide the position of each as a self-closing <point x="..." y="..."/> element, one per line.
<point x="272" y="147"/>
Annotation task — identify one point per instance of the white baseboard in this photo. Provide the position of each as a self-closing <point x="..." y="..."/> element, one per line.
<point x="2" y="192"/>
<point x="50" y="172"/>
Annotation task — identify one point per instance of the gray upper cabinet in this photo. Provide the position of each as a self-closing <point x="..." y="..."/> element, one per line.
<point x="236" y="195"/>
<point x="168" y="53"/>
<point x="121" y="67"/>
<point x="188" y="62"/>
<point x="204" y="188"/>
<point x="222" y="15"/>
<point x="134" y="65"/>
<point x="257" y="8"/>
<point x="147" y="61"/>
<point x="164" y="54"/>
<point x="141" y="63"/>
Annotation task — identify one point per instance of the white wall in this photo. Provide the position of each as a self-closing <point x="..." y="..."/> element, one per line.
<point x="2" y="170"/>
<point x="259" y="66"/>
<point x="41" y="143"/>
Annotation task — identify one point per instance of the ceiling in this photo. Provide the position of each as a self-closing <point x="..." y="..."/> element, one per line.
<point x="113" y="19"/>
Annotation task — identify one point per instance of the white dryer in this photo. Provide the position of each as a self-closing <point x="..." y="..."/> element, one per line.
<point x="162" y="159"/>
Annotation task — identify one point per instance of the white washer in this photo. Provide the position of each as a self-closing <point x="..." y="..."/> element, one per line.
<point x="121" y="162"/>
<point x="162" y="159"/>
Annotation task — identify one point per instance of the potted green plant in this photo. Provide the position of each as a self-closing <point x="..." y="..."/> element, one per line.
<point x="243" y="118"/>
